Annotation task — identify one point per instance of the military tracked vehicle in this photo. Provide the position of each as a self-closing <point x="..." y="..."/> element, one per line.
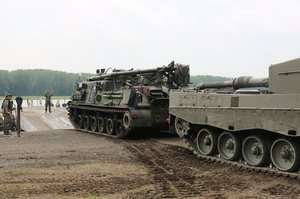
<point x="250" y="122"/>
<point x="122" y="102"/>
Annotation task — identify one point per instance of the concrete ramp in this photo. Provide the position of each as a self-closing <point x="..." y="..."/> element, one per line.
<point x="35" y="119"/>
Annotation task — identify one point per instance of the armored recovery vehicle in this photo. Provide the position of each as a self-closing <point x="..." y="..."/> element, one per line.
<point x="250" y="122"/>
<point x="122" y="102"/>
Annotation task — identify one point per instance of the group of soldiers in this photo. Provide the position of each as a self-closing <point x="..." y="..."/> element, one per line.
<point x="8" y="108"/>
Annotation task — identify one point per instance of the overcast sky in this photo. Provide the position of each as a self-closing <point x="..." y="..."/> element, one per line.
<point x="216" y="37"/>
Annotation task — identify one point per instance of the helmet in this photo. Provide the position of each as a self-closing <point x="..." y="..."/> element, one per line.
<point x="8" y="94"/>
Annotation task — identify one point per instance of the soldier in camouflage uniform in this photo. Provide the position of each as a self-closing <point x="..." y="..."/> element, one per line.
<point x="48" y="94"/>
<point x="7" y="108"/>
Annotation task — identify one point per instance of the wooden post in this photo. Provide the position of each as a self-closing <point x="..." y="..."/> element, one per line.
<point x="18" y="121"/>
<point x="19" y="101"/>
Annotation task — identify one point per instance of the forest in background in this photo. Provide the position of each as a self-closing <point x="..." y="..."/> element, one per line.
<point x="33" y="82"/>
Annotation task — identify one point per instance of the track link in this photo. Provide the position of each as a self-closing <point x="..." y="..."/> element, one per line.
<point x="242" y="164"/>
<point x="89" y="131"/>
<point x="105" y="110"/>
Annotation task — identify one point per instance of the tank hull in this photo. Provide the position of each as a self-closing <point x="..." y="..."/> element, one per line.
<point x="239" y="112"/>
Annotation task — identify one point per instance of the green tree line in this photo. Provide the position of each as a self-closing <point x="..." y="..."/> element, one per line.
<point x="34" y="82"/>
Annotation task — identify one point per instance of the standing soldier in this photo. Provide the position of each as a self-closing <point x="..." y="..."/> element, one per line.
<point x="7" y="107"/>
<point x="48" y="94"/>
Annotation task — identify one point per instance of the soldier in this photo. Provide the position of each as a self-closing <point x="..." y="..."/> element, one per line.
<point x="48" y="94"/>
<point x="7" y="108"/>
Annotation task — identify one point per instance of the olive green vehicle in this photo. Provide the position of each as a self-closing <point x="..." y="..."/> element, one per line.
<point x="247" y="121"/>
<point x="125" y="101"/>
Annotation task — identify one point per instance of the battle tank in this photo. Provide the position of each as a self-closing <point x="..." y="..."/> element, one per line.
<point x="250" y="122"/>
<point x="126" y="101"/>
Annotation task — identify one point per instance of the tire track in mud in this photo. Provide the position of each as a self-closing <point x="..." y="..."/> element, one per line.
<point x="169" y="180"/>
<point x="176" y="173"/>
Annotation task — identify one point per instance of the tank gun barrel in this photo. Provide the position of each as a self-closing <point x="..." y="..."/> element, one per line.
<point x="172" y="76"/>
<point x="236" y="83"/>
<point x="119" y="73"/>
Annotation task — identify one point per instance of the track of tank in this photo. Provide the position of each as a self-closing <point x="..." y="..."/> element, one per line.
<point x="208" y="143"/>
<point x="112" y="122"/>
<point x="87" y="118"/>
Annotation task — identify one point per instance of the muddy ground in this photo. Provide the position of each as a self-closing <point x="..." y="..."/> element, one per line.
<point x="72" y="164"/>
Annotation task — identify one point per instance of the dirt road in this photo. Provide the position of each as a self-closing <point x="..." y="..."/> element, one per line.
<point x="71" y="164"/>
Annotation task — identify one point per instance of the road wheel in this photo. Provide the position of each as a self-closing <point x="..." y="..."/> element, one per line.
<point x="86" y="122"/>
<point x="121" y="131"/>
<point x="206" y="142"/>
<point x="229" y="146"/>
<point x="101" y="125"/>
<point x="80" y="121"/>
<point x="94" y="123"/>
<point x="110" y="126"/>
<point x="255" y="151"/>
<point x="285" y="154"/>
